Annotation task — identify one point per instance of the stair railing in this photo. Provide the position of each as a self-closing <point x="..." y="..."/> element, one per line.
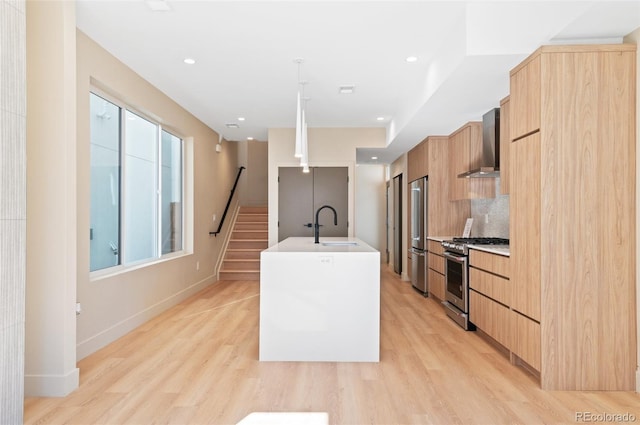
<point x="226" y="209"/>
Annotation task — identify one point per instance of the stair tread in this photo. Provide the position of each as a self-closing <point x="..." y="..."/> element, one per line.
<point x="242" y="259"/>
<point x="248" y="240"/>
<point x="238" y="271"/>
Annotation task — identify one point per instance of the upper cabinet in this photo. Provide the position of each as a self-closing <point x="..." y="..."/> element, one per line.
<point x="525" y="95"/>
<point x="573" y="215"/>
<point x="505" y="145"/>
<point x="417" y="162"/>
<point x="465" y="153"/>
<point x="445" y="217"/>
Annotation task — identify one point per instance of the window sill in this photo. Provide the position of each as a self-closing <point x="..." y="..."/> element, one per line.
<point x="122" y="269"/>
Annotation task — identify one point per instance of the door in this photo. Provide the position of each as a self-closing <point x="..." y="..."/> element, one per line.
<point x="387" y="223"/>
<point x="330" y="187"/>
<point x="397" y="224"/>
<point x="301" y="194"/>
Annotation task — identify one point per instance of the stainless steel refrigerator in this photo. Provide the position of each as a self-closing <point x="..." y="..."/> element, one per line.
<point x="419" y="220"/>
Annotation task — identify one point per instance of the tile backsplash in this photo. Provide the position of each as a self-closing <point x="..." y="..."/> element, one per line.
<point x="491" y="216"/>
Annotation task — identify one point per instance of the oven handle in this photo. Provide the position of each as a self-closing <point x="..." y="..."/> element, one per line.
<point x="455" y="258"/>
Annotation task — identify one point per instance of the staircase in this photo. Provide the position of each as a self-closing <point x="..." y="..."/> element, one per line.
<point x="248" y="238"/>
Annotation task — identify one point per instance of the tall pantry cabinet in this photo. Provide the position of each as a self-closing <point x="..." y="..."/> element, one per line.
<point x="572" y="213"/>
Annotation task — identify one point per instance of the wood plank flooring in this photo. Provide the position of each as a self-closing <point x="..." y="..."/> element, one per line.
<point x="197" y="364"/>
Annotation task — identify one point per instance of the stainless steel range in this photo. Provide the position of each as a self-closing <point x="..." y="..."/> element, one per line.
<point x="456" y="274"/>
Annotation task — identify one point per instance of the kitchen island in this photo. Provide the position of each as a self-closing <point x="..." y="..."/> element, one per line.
<point x="320" y="302"/>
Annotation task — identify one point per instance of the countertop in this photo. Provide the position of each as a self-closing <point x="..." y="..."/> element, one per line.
<point x="440" y="238"/>
<point x="494" y="249"/>
<point x="300" y="244"/>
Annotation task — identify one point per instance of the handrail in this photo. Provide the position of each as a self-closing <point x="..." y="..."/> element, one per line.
<point x="224" y="214"/>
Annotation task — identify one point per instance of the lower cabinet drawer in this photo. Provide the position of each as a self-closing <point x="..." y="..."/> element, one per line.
<point x="436" y="262"/>
<point x="436" y="284"/>
<point x="526" y="340"/>
<point x="491" y="285"/>
<point x="491" y="317"/>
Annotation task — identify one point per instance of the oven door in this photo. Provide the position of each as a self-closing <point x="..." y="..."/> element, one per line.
<point x="456" y="280"/>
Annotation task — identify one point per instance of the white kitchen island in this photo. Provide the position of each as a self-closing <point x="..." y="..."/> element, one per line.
<point x="320" y="302"/>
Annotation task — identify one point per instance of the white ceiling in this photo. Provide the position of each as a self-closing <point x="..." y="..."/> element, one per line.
<point x="245" y="52"/>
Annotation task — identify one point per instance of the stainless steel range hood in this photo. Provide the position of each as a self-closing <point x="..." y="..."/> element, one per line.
<point x="490" y="147"/>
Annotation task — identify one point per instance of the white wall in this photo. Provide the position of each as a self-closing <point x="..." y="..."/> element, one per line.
<point x="254" y="188"/>
<point x="12" y="210"/>
<point x="634" y="37"/>
<point x="50" y="362"/>
<point x="328" y="147"/>
<point x="399" y="166"/>
<point x="370" y="206"/>
<point x="142" y="292"/>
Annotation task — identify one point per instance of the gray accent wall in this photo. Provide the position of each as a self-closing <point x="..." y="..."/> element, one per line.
<point x="12" y="209"/>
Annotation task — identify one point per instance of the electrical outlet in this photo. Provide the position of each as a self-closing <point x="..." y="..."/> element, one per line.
<point x="486" y="218"/>
<point x="197" y="265"/>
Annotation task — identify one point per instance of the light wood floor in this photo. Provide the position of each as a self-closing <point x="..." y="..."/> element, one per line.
<point x="197" y="364"/>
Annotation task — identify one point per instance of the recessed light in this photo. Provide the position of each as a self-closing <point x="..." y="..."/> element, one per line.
<point x="249" y="138"/>
<point x="411" y="59"/>
<point x="380" y="118"/>
<point x="189" y="61"/>
<point x="158" y="5"/>
<point x="374" y="157"/>
<point x="346" y="89"/>
<point x="232" y="125"/>
<point x="240" y="118"/>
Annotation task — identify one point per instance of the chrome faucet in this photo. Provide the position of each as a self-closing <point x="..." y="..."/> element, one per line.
<point x="317" y="225"/>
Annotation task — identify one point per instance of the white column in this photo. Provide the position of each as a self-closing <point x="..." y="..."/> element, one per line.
<point x="12" y="209"/>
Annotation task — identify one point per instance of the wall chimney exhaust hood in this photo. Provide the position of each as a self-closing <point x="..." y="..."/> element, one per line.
<point x="490" y="166"/>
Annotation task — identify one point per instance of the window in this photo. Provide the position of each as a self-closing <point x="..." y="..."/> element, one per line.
<point x="136" y="187"/>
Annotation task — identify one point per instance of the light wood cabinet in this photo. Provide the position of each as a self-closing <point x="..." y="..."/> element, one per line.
<point x="491" y="285"/>
<point x="417" y="162"/>
<point x="526" y="341"/>
<point x="436" y="262"/>
<point x="524" y="218"/>
<point x="491" y="317"/>
<point x="436" y="269"/>
<point x="490" y="295"/>
<point x="445" y="217"/>
<point x="572" y="213"/>
<point x="505" y="145"/>
<point x="525" y="93"/>
<point x="436" y="284"/>
<point x="465" y="146"/>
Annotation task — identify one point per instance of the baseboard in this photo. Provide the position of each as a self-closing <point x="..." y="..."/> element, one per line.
<point x="104" y="338"/>
<point x="51" y="385"/>
<point x="404" y="276"/>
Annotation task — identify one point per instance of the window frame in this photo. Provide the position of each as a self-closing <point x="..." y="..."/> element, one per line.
<point x="123" y="267"/>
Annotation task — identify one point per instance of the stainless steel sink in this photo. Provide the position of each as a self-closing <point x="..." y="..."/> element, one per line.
<point x="339" y="243"/>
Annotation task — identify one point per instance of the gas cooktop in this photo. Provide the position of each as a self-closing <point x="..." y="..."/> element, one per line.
<point x="461" y="245"/>
<point x="482" y="241"/>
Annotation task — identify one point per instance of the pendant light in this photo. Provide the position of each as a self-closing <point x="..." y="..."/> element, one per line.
<point x="304" y="160"/>
<point x="299" y="116"/>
